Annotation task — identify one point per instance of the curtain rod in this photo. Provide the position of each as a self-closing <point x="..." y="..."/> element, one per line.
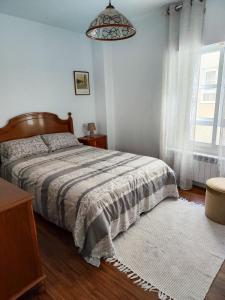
<point x="179" y="6"/>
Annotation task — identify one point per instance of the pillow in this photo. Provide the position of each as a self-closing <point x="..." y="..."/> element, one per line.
<point x="56" y="141"/>
<point x="15" y="149"/>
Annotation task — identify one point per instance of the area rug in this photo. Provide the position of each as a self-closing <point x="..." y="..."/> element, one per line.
<point x="174" y="250"/>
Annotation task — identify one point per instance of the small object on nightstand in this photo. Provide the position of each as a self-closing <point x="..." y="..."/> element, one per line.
<point x="20" y="263"/>
<point x="91" y="128"/>
<point x="97" y="140"/>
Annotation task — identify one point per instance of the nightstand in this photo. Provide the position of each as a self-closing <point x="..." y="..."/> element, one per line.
<point x="20" y="263"/>
<point x="97" y="140"/>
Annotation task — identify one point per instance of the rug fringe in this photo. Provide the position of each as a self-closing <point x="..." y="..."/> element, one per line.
<point x="136" y="278"/>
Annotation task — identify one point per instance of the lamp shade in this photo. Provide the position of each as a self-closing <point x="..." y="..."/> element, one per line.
<point x="91" y="127"/>
<point x="110" y="25"/>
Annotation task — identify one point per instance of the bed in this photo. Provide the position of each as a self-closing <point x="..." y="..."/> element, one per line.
<point x="93" y="193"/>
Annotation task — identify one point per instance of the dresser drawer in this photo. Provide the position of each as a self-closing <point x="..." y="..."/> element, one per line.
<point x="101" y="143"/>
<point x="20" y="264"/>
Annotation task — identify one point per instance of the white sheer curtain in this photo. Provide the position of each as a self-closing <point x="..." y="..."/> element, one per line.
<point x="180" y="84"/>
<point x="221" y="148"/>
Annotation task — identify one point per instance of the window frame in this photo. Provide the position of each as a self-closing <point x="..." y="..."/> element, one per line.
<point x="206" y="101"/>
<point x="212" y="148"/>
<point x="211" y="70"/>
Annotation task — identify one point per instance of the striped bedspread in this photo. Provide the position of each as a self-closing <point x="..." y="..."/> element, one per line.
<point x="94" y="193"/>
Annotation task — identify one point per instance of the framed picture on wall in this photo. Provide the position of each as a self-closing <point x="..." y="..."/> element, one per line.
<point x="81" y="82"/>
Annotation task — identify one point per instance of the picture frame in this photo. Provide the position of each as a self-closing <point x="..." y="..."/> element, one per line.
<point x="81" y="82"/>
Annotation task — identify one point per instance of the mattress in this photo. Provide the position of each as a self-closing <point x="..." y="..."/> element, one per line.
<point x="94" y="193"/>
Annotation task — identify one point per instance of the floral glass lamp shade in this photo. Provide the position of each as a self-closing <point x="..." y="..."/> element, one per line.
<point x="91" y="128"/>
<point x="110" y="25"/>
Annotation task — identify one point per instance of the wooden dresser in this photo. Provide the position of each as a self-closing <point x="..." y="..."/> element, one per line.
<point x="97" y="140"/>
<point x="20" y="264"/>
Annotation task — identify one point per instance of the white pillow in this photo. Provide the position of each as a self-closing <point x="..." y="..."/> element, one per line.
<point x="15" y="149"/>
<point x="56" y="141"/>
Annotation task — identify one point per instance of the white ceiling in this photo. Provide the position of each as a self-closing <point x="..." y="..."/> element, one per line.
<point x="74" y="15"/>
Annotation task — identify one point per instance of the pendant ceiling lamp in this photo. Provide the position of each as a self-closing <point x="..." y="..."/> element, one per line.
<point x="110" y="25"/>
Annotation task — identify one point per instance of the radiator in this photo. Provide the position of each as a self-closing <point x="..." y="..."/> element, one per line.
<point x="203" y="169"/>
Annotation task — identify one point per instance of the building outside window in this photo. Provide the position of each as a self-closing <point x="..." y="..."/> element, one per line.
<point x="210" y="94"/>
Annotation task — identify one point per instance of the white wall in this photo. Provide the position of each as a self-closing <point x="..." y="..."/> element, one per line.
<point x="99" y="82"/>
<point x="136" y="66"/>
<point x="105" y="90"/>
<point x="36" y="71"/>
<point x="214" y="30"/>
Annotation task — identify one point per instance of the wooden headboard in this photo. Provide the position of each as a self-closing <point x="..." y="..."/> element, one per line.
<point x="31" y="124"/>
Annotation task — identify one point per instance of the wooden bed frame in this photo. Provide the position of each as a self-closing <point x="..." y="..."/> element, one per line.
<point x="34" y="123"/>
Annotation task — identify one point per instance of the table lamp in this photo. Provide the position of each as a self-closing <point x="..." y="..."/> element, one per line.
<point x="91" y="128"/>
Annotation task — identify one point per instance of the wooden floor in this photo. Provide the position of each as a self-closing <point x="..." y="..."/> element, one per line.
<point x="69" y="277"/>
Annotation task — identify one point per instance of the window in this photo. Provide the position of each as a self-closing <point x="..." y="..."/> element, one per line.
<point x="209" y="97"/>
<point x="210" y="76"/>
